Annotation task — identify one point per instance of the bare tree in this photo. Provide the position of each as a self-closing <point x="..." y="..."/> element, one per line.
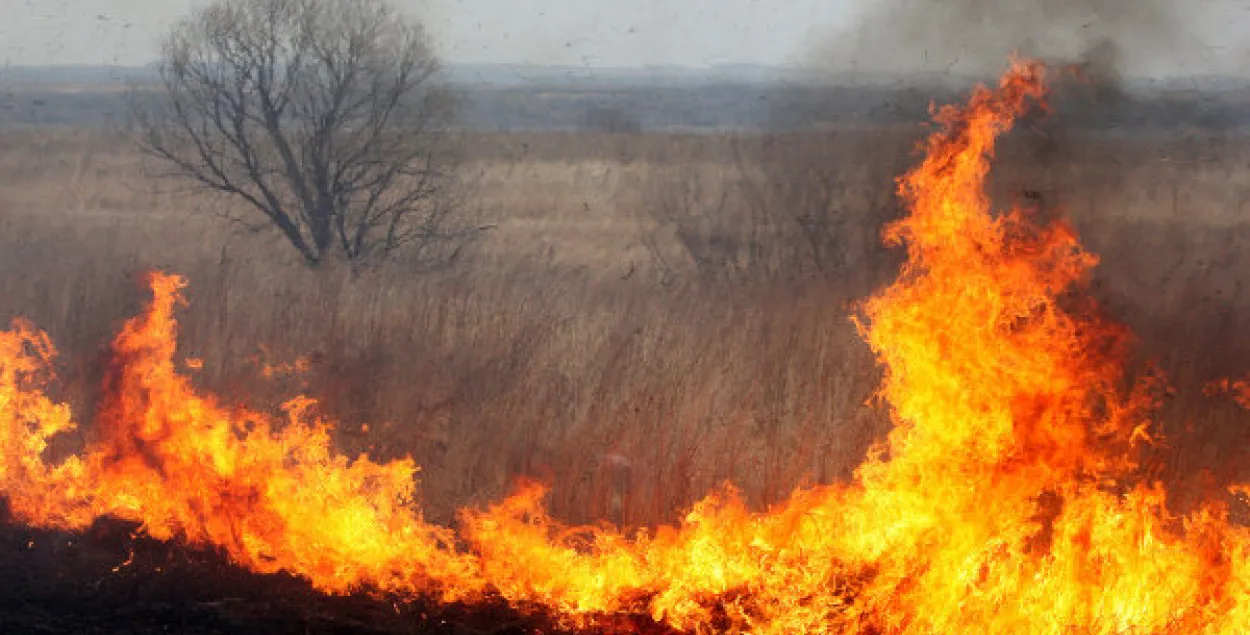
<point x="325" y="116"/>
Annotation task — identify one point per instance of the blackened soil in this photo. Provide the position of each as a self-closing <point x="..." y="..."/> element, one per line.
<point x="107" y="582"/>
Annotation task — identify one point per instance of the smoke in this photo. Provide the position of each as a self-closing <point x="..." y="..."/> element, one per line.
<point x="975" y="37"/>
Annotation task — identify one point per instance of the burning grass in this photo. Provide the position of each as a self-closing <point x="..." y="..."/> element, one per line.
<point x="1010" y="495"/>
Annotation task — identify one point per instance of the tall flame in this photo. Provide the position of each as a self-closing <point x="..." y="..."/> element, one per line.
<point x="1006" y="499"/>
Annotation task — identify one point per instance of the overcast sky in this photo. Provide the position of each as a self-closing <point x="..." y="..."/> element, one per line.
<point x="580" y="32"/>
<point x="576" y="32"/>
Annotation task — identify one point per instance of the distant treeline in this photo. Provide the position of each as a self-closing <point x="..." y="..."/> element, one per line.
<point x="705" y="107"/>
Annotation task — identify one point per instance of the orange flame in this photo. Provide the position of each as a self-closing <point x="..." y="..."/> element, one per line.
<point x="1006" y="499"/>
<point x="274" y="497"/>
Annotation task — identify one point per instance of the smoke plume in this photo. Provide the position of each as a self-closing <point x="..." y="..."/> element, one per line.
<point x="975" y="37"/>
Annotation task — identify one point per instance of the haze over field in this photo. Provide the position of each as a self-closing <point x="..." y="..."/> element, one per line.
<point x="1154" y="38"/>
<point x="702" y="64"/>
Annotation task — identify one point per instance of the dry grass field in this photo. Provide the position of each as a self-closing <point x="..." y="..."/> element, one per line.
<point x="644" y="316"/>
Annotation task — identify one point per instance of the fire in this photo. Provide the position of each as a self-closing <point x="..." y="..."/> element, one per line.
<point x="273" y="494"/>
<point x="1007" y="499"/>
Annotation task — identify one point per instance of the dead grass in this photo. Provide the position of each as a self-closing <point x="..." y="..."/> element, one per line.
<point x="564" y="349"/>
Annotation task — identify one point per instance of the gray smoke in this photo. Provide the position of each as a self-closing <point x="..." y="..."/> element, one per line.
<point x="976" y="37"/>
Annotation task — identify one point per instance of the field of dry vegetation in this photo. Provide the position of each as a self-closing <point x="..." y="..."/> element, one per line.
<point x="643" y="317"/>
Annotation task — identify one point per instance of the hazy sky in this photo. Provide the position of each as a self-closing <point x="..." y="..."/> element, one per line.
<point x="582" y="32"/>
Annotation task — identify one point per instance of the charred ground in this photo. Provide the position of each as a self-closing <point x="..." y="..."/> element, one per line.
<point x="108" y="582"/>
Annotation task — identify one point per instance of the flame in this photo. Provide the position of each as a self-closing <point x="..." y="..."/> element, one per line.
<point x="1007" y="499"/>
<point x="273" y="494"/>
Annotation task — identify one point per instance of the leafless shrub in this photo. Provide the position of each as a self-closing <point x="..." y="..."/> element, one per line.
<point x="694" y="211"/>
<point x="787" y="206"/>
<point x="832" y="192"/>
<point x="611" y="120"/>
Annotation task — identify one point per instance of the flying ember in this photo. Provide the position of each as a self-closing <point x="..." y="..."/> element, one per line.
<point x="1007" y="499"/>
